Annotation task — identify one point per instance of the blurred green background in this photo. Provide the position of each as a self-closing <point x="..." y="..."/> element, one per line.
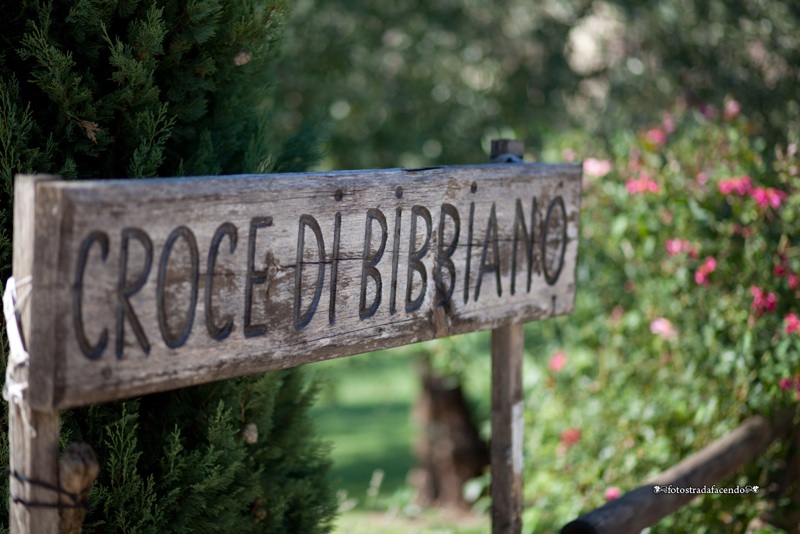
<point x="408" y="83"/>
<point x="654" y="364"/>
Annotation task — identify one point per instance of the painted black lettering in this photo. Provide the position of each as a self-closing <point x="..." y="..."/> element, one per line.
<point x="301" y="320"/>
<point x="92" y="352"/>
<point x="174" y="341"/>
<point x="552" y="276"/>
<point x="490" y="238"/>
<point x="337" y="232"/>
<point x="218" y="333"/>
<point x="395" y="260"/>
<point x="253" y="278"/>
<point x="415" y="258"/>
<point x="469" y="248"/>
<point x="125" y="289"/>
<point x="368" y="268"/>
<point x="444" y="253"/>
<point x="519" y="225"/>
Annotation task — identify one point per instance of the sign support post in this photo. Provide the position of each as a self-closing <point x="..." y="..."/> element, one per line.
<point x="33" y="434"/>
<point x="507" y="404"/>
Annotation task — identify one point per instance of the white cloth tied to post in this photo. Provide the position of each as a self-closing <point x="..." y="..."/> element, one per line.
<point x="13" y="390"/>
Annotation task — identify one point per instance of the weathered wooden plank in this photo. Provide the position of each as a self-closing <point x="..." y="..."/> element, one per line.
<point x="33" y="434"/>
<point x="643" y="507"/>
<point x="164" y="283"/>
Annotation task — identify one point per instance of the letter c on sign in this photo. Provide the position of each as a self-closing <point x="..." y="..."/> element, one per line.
<point x="218" y="332"/>
<point x="91" y="352"/>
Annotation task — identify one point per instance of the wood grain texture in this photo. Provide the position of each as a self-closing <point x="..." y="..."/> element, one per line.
<point x="643" y="507"/>
<point x="159" y="284"/>
<point x="507" y="429"/>
<point x="33" y="434"/>
<point x="77" y="471"/>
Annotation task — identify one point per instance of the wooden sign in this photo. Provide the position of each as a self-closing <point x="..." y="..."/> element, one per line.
<point x="147" y="285"/>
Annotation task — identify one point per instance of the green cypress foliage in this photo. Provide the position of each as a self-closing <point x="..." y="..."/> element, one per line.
<point x="141" y="88"/>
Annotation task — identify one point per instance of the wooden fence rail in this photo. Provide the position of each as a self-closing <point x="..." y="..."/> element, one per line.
<point x="643" y="506"/>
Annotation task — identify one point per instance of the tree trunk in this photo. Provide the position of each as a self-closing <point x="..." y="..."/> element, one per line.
<point x="449" y="450"/>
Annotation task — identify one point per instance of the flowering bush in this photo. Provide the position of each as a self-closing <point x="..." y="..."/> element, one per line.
<point x="686" y="320"/>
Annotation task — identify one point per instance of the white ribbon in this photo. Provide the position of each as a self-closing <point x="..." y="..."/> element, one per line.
<point x="13" y="390"/>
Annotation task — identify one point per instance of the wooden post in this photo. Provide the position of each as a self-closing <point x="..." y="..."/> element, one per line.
<point x="33" y="435"/>
<point x="643" y="506"/>
<point x="507" y="404"/>
<point x="77" y="471"/>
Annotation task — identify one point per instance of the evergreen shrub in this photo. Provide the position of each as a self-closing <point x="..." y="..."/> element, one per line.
<point x="134" y="88"/>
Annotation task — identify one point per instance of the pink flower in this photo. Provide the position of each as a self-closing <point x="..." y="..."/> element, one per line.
<point x="792" y="323"/>
<point x="596" y="168"/>
<point x="570" y="437"/>
<point x="663" y="328"/>
<point x="656" y="137"/>
<point x="787" y="383"/>
<point x="771" y="301"/>
<point x="768" y="196"/>
<point x="782" y="270"/>
<point x="762" y="301"/>
<point x="701" y="178"/>
<point x="731" y="110"/>
<point x="676" y="246"/>
<point x="612" y="492"/>
<point x="741" y="185"/>
<point x="558" y="361"/>
<point x="643" y="185"/>
<point x="707" y="110"/>
<point x="708" y="267"/>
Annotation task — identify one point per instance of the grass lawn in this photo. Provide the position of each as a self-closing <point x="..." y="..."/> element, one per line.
<point x="430" y="522"/>
<point x="364" y="411"/>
